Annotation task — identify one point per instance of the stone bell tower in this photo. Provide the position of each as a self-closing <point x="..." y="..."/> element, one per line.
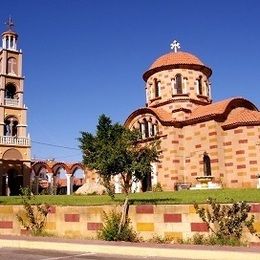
<point x="15" y="147"/>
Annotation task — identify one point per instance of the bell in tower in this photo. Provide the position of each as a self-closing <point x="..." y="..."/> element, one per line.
<point x="9" y="37"/>
<point x="15" y="147"/>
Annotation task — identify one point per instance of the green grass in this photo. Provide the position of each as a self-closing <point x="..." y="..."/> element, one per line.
<point x="180" y="197"/>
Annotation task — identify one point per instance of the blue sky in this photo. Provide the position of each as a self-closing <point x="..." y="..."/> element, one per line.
<point x="83" y="58"/>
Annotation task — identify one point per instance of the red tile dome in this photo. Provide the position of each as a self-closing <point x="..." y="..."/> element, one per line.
<point x="177" y="60"/>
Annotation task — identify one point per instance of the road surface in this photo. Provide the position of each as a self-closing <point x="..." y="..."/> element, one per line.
<point x="32" y="254"/>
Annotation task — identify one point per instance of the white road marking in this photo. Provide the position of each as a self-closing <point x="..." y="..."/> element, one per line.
<point x="67" y="257"/>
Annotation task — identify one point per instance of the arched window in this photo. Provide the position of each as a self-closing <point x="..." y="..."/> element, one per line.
<point x="11" y="66"/>
<point x="10" y="127"/>
<point x="206" y="165"/>
<point x="207" y="87"/>
<point x="199" y="85"/>
<point x="146" y="129"/>
<point x="10" y="91"/>
<point x="147" y="95"/>
<point x="185" y="87"/>
<point x="157" y="88"/>
<point x="155" y="129"/>
<point x="151" y="129"/>
<point x="178" y="84"/>
<point x="140" y="130"/>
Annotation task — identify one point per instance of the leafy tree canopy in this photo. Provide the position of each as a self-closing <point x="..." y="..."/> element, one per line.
<point x="115" y="150"/>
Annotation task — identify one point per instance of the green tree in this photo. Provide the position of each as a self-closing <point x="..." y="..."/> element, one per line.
<point x="116" y="150"/>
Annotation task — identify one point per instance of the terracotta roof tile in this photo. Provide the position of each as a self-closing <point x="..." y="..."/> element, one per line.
<point x="242" y="116"/>
<point x="176" y="58"/>
<point x="162" y="114"/>
<point x="232" y="111"/>
<point x="221" y="107"/>
<point x="173" y="59"/>
<point x="216" y="108"/>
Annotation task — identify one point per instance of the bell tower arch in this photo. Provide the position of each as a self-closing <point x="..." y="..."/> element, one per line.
<point x="13" y="116"/>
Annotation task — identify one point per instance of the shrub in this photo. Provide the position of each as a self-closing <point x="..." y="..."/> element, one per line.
<point x="226" y="222"/>
<point x="198" y="239"/>
<point x="212" y="239"/>
<point x="159" y="239"/>
<point x="33" y="218"/>
<point x="110" y="229"/>
<point x="157" y="187"/>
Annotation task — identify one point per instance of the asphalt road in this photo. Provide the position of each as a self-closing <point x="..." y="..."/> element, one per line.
<point x="32" y="254"/>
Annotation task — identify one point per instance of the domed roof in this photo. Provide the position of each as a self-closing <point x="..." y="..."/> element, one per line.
<point x="177" y="60"/>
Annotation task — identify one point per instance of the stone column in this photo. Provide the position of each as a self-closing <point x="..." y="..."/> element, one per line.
<point x="136" y="186"/>
<point x="4" y="43"/>
<point x="154" y="174"/>
<point x="36" y="184"/>
<point x="68" y="176"/>
<point x="117" y="184"/>
<point x="50" y="181"/>
<point x="142" y="130"/>
<point x="258" y="184"/>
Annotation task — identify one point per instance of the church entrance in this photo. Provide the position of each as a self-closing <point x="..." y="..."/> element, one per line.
<point x="15" y="182"/>
<point x="147" y="183"/>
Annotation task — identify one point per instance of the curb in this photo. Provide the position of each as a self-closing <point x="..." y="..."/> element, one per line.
<point x="182" y="253"/>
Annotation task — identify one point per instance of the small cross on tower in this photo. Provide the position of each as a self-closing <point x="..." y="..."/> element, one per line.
<point x="175" y="46"/>
<point x="10" y="23"/>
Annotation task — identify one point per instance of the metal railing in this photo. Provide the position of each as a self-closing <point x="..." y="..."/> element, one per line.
<point x="13" y="140"/>
<point x="11" y="102"/>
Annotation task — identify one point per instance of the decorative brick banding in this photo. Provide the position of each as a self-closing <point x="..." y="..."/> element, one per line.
<point x="241" y="166"/>
<point x="94" y="226"/>
<point x="71" y="217"/>
<point x="255" y="208"/>
<point x="252" y="162"/>
<point x="52" y="210"/>
<point x="168" y="218"/>
<point x="199" y="227"/>
<point x="213" y="146"/>
<point x="227" y="143"/>
<point x="212" y="133"/>
<point x="240" y="152"/>
<point x="238" y="131"/>
<point x="6" y="224"/>
<point x="244" y="141"/>
<point x="198" y="146"/>
<point x="144" y="209"/>
<point x="229" y="164"/>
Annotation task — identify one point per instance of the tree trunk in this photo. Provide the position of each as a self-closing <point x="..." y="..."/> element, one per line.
<point x="124" y="215"/>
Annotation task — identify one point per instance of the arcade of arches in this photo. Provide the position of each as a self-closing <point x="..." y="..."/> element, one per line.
<point x="56" y="177"/>
<point x="48" y="177"/>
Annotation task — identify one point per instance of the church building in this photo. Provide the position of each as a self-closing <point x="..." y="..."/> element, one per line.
<point x="15" y="146"/>
<point x="199" y="139"/>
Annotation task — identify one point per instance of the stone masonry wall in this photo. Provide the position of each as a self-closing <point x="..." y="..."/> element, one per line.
<point x="171" y="221"/>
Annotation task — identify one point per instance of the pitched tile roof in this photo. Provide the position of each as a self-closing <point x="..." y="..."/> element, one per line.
<point x="179" y="57"/>
<point x="220" y="109"/>
<point x="242" y="116"/>
<point x="175" y="59"/>
<point x="232" y="112"/>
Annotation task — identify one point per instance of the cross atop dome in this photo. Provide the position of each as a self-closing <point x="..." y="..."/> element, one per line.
<point x="10" y="23"/>
<point x="175" y="46"/>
